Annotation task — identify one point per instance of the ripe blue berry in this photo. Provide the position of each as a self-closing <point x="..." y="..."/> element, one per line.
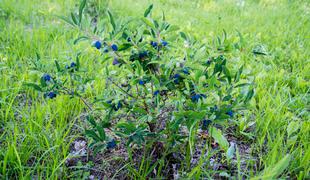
<point x="186" y="70"/>
<point x="142" y="54"/>
<point x="176" y="78"/>
<point x="114" y="47"/>
<point x="164" y="43"/>
<point x="205" y="124"/>
<point x="154" y="44"/>
<point x="73" y="64"/>
<point x="129" y="39"/>
<point x="111" y="144"/>
<point x="141" y="82"/>
<point x="115" y="61"/>
<point x="196" y="97"/>
<point x="156" y="93"/>
<point x="46" y="77"/>
<point x="67" y="67"/>
<point x="51" y="95"/>
<point x="97" y="44"/>
<point x="230" y="113"/>
<point x="118" y="106"/>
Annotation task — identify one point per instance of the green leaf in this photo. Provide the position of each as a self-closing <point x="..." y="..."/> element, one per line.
<point x="81" y="38"/>
<point x="242" y="85"/>
<point x="227" y="73"/>
<point x="230" y="152"/>
<point x="73" y="17"/>
<point x="292" y="127"/>
<point x="260" y="50"/>
<point x="148" y="10"/>
<point x="78" y="61"/>
<point x="112" y="20"/>
<point x="249" y="95"/>
<point x="38" y="56"/>
<point x="57" y="66"/>
<point x="98" y="148"/>
<point x="219" y="138"/>
<point x="93" y="135"/>
<point x="124" y="46"/>
<point x="42" y="82"/>
<point x="33" y="85"/>
<point x="183" y="35"/>
<point x="227" y="98"/>
<point x="274" y="171"/>
<point x="129" y="127"/>
<point x="237" y="76"/>
<point x="173" y="28"/>
<point x="82" y="6"/>
<point x="164" y="17"/>
<point x="101" y="133"/>
<point x="139" y="110"/>
<point x="148" y="22"/>
<point x="91" y="120"/>
<point x="66" y="20"/>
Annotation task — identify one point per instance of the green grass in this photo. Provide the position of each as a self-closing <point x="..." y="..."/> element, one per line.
<point x="35" y="134"/>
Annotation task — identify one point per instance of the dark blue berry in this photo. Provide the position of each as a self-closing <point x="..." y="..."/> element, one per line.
<point x="156" y="93"/>
<point x="46" y="77"/>
<point x="142" y="54"/>
<point x="118" y="106"/>
<point x="129" y="39"/>
<point x="111" y="144"/>
<point x="141" y="82"/>
<point x="109" y="101"/>
<point x="114" y="47"/>
<point x="105" y="49"/>
<point x="205" y="124"/>
<point x="51" y="95"/>
<point x="230" y="113"/>
<point x="196" y="97"/>
<point x="176" y="78"/>
<point x="154" y="44"/>
<point x="164" y="43"/>
<point x="98" y="44"/>
<point x="73" y="64"/>
<point x="186" y="70"/>
<point x="115" y="61"/>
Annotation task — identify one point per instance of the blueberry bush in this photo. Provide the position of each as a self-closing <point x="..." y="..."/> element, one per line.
<point x="162" y="85"/>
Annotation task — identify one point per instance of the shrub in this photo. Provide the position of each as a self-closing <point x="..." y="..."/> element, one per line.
<point x="159" y="80"/>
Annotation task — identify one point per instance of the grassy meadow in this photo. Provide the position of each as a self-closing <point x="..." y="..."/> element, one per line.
<point x="36" y="134"/>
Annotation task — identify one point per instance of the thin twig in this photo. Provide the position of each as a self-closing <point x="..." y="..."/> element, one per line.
<point x="121" y="88"/>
